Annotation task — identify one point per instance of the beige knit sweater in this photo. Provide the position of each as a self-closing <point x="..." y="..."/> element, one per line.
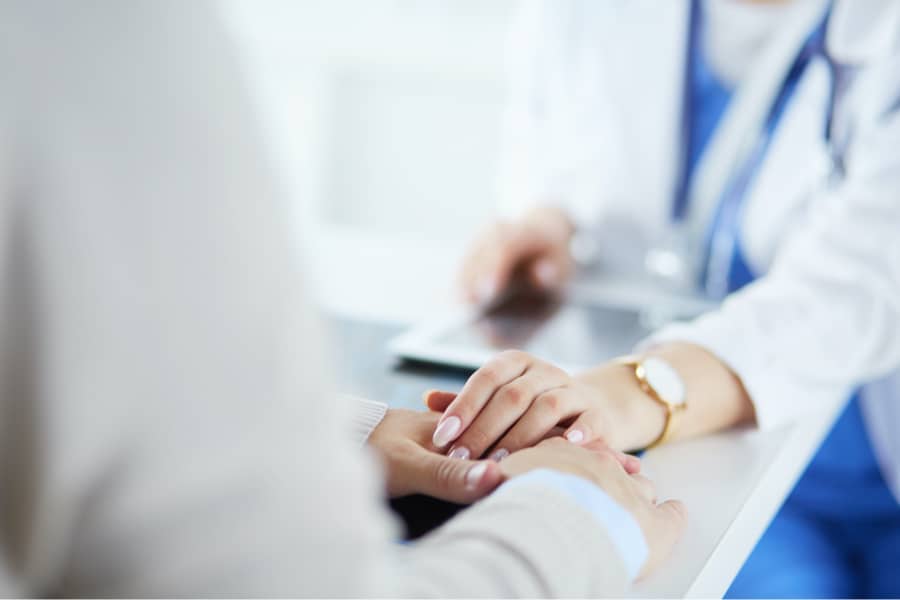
<point x="167" y="426"/>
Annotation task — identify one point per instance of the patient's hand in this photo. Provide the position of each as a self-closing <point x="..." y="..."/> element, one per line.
<point x="661" y="523"/>
<point x="414" y="465"/>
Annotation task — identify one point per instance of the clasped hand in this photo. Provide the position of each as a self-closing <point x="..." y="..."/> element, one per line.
<point x="404" y="439"/>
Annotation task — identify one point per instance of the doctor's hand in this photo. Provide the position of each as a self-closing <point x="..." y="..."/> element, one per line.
<point x="662" y="523"/>
<point x="414" y="466"/>
<point x="440" y="402"/>
<point x="533" y="251"/>
<point x="515" y="400"/>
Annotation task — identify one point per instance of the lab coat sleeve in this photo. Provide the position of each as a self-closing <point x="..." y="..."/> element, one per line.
<point x="167" y="423"/>
<point x="826" y="318"/>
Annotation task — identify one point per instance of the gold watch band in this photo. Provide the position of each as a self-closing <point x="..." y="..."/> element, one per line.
<point x="636" y="364"/>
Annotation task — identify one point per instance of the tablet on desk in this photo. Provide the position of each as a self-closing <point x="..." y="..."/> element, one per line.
<point x="591" y="323"/>
<point x="568" y="333"/>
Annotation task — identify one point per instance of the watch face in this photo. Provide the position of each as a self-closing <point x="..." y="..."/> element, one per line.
<point x="664" y="380"/>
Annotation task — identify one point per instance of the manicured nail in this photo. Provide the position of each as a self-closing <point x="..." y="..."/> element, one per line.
<point x="487" y="287"/>
<point x="473" y="477"/>
<point x="546" y="273"/>
<point x="576" y="436"/>
<point x="446" y="431"/>
<point x="499" y="454"/>
<point x="460" y="452"/>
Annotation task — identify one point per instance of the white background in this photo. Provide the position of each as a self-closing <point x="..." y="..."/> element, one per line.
<point x="384" y="116"/>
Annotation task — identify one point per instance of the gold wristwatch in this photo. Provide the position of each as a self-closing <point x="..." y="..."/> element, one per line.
<point x="659" y="380"/>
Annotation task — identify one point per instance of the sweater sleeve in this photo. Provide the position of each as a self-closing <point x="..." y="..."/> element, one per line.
<point x="518" y="543"/>
<point x="367" y="414"/>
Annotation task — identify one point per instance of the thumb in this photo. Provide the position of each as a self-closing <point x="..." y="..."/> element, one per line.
<point x="629" y="462"/>
<point x="665" y="529"/>
<point x="460" y="481"/>
<point x="438" y="401"/>
<point x="586" y="430"/>
<point x="674" y="513"/>
<point x="545" y="273"/>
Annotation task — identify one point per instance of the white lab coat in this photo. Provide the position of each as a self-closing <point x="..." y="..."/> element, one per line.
<point x="594" y="125"/>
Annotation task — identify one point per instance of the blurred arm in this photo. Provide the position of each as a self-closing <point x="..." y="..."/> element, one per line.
<point x="175" y="433"/>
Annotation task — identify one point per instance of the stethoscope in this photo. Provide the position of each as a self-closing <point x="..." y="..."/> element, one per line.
<point x="722" y="239"/>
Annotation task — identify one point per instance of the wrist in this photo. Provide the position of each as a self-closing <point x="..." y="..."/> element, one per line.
<point x="634" y="419"/>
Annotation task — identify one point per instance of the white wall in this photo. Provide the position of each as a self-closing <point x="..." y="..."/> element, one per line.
<point x="385" y="118"/>
<point x="385" y="111"/>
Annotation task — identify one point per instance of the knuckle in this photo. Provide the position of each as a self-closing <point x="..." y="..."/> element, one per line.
<point x="550" y="402"/>
<point x="476" y="439"/>
<point x="489" y="373"/>
<point x="514" y="356"/>
<point x="556" y="372"/>
<point x="513" y="396"/>
<point x="678" y="510"/>
<point x="443" y="474"/>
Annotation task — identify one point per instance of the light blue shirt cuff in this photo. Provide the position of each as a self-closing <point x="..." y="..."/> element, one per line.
<point x="623" y="529"/>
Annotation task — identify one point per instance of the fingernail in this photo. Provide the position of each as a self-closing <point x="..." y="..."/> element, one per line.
<point x="546" y="273"/>
<point x="460" y="452"/>
<point x="499" y="454"/>
<point x="486" y="289"/>
<point x="446" y="431"/>
<point x="576" y="436"/>
<point x="473" y="477"/>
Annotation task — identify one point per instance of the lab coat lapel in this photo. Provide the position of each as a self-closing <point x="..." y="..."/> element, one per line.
<point x="649" y="87"/>
<point x="743" y="119"/>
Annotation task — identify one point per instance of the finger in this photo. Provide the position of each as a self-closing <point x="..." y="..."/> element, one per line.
<point x="437" y="400"/>
<point x="631" y="463"/>
<point x="586" y="428"/>
<point x="555" y="432"/>
<point x="669" y="520"/>
<point x="472" y="271"/>
<point x="460" y="481"/>
<point x="475" y="394"/>
<point x="548" y="409"/>
<point x="674" y="512"/>
<point x="500" y="261"/>
<point x="549" y="271"/>
<point x="645" y="487"/>
<point x="508" y="405"/>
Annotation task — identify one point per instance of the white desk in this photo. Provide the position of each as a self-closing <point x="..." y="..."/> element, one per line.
<point x="732" y="483"/>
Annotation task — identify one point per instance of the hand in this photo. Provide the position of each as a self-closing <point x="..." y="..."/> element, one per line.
<point x="533" y="250"/>
<point x="515" y="399"/>
<point x="662" y="524"/>
<point x="403" y="440"/>
<point x="439" y="401"/>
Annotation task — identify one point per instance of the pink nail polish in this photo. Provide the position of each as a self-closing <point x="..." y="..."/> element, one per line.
<point x="546" y="273"/>
<point x="473" y="477"/>
<point x="576" y="436"/>
<point x="446" y="431"/>
<point x="460" y="452"/>
<point x="487" y="288"/>
<point x="499" y="454"/>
